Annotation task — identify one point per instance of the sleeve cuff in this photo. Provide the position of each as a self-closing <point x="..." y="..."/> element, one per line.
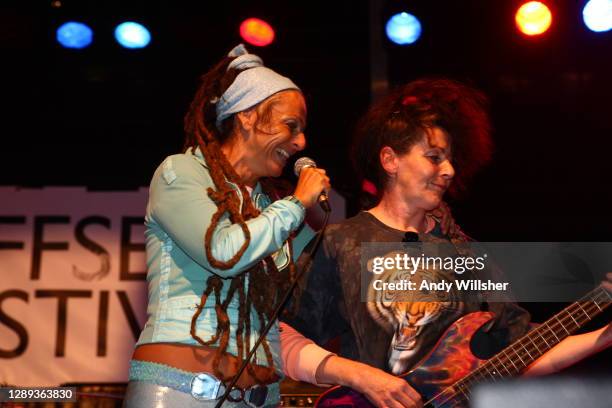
<point x="301" y="356"/>
<point x="295" y="206"/>
<point x="311" y="357"/>
<point x="295" y="200"/>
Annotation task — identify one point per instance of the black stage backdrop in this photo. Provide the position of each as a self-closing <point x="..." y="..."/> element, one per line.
<point x="104" y="117"/>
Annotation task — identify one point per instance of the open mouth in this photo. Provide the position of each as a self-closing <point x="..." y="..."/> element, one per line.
<point x="406" y="337"/>
<point x="281" y="155"/>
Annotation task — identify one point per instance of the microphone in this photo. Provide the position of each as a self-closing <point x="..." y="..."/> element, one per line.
<point x="410" y="236"/>
<point x="302" y="163"/>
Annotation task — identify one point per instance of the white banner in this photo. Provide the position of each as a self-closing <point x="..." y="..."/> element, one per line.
<point x="72" y="284"/>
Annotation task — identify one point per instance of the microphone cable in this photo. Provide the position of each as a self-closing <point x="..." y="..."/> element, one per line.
<point x="279" y="308"/>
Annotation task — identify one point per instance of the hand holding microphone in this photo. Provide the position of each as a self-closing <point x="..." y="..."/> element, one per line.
<point x="312" y="184"/>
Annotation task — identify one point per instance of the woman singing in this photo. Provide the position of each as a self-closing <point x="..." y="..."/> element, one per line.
<point x="220" y="244"/>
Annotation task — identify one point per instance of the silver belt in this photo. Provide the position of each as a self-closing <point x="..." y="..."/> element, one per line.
<point x="207" y="387"/>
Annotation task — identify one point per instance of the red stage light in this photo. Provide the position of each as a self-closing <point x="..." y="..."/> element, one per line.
<point x="257" y="32"/>
<point x="533" y="18"/>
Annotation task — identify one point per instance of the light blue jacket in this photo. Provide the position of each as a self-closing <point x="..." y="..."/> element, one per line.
<point x="178" y="214"/>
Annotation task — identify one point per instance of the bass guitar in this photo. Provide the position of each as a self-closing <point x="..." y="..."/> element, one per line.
<point x="446" y="375"/>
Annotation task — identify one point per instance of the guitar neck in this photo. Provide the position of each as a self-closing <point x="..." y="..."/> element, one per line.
<point x="514" y="359"/>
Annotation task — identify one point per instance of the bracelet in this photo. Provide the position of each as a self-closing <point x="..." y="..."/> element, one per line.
<point x="295" y="200"/>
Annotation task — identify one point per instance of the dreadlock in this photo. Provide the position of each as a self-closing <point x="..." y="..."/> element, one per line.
<point x="265" y="282"/>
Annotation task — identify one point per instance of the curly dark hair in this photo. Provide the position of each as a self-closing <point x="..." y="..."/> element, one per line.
<point x="402" y="118"/>
<point x="266" y="283"/>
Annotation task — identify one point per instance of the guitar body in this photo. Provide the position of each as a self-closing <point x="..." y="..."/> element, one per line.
<point x="445" y="376"/>
<point x="450" y="360"/>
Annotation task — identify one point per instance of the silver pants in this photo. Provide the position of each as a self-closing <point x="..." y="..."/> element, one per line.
<point x="141" y="394"/>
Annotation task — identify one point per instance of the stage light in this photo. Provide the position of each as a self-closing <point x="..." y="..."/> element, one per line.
<point x="74" y="35"/>
<point x="533" y="18"/>
<point x="257" y="32"/>
<point x="403" y="29"/>
<point x="597" y="15"/>
<point x="132" y="35"/>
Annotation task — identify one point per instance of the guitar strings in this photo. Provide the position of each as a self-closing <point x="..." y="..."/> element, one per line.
<point x="590" y="301"/>
<point x="521" y="349"/>
<point x="461" y="388"/>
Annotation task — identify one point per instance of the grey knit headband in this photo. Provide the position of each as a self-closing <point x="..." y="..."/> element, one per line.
<point x="251" y="86"/>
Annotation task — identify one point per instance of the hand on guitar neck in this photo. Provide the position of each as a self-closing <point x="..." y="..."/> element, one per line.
<point x="575" y="348"/>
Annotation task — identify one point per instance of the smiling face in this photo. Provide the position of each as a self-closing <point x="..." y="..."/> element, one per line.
<point x="423" y="174"/>
<point x="274" y="134"/>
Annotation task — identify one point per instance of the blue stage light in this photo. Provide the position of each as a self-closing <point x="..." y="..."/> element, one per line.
<point x="74" y="35"/>
<point x="597" y="15"/>
<point x="403" y="28"/>
<point x="132" y="35"/>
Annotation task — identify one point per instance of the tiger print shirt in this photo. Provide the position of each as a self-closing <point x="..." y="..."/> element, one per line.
<point x="391" y="337"/>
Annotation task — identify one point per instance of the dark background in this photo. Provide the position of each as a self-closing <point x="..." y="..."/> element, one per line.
<point x="104" y="117"/>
